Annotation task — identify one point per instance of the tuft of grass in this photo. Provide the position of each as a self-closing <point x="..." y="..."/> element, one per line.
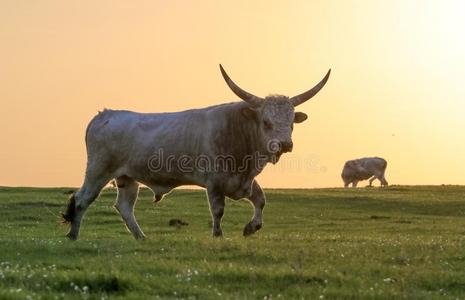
<point x="395" y="242"/>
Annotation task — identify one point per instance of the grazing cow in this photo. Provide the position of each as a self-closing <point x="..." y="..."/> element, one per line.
<point x="221" y="148"/>
<point x="362" y="169"/>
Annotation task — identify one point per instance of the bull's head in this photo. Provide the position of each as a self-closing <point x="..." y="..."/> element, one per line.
<point x="275" y="114"/>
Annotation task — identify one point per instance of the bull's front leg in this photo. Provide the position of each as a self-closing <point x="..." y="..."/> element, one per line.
<point x="371" y="180"/>
<point x="216" y="200"/>
<point x="258" y="200"/>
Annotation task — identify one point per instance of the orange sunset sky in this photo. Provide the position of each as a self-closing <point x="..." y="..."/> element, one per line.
<point x="397" y="88"/>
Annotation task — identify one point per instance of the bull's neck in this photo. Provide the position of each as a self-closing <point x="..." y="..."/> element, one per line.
<point x="240" y="138"/>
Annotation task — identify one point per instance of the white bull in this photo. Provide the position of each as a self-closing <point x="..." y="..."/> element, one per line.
<point x="221" y="148"/>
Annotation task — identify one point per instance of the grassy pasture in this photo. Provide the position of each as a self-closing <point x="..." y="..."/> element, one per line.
<point x="397" y="242"/>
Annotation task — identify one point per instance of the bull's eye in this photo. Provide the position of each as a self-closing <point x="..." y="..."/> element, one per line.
<point x="267" y="125"/>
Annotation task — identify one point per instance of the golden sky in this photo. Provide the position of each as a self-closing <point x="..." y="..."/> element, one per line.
<point x="397" y="88"/>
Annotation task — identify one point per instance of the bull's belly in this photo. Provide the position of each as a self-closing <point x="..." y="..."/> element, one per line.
<point x="364" y="176"/>
<point x="233" y="185"/>
<point x="168" y="181"/>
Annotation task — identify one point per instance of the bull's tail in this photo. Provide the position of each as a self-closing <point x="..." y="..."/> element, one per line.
<point x="68" y="216"/>
<point x="384" y="164"/>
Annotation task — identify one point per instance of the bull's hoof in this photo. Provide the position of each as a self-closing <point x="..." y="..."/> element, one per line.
<point x="71" y="236"/>
<point x="250" y="228"/>
<point x="140" y="237"/>
<point x="218" y="233"/>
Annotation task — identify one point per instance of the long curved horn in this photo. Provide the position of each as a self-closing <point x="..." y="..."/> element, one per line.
<point x="299" y="99"/>
<point x="247" y="97"/>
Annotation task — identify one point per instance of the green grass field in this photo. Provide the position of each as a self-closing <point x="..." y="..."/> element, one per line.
<point x="397" y="242"/>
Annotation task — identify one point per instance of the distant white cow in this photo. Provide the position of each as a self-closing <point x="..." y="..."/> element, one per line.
<point x="362" y="169"/>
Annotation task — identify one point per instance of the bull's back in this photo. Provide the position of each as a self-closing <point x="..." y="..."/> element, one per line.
<point x="125" y="128"/>
<point x="374" y="164"/>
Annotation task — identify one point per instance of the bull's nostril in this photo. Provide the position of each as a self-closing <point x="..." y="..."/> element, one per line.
<point x="286" y="146"/>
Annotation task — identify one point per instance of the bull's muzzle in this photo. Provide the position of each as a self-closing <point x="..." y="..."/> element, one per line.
<point x="286" y="146"/>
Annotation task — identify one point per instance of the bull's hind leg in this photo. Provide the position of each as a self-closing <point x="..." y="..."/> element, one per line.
<point x="128" y="189"/>
<point x="80" y="201"/>
<point x="383" y="180"/>
<point x="380" y="177"/>
<point x="216" y="200"/>
<point x="258" y="200"/>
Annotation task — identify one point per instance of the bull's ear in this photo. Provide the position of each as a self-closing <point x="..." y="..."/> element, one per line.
<point x="249" y="113"/>
<point x="299" y="117"/>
